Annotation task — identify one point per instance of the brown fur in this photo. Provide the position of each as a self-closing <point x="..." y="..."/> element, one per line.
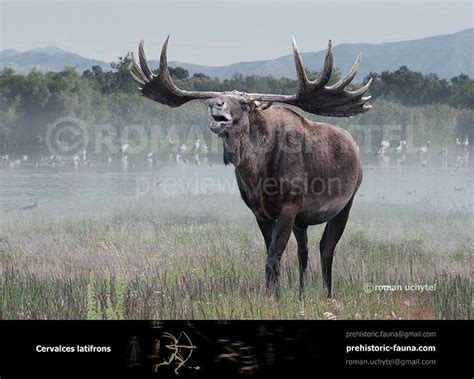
<point x="291" y="172"/>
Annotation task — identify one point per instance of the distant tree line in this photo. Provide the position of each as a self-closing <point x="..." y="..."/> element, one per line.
<point x="413" y="88"/>
<point x="29" y="103"/>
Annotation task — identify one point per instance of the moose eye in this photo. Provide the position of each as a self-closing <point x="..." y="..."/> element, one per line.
<point x="244" y="104"/>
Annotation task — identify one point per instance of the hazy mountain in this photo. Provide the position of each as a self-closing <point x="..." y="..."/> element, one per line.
<point x="50" y="58"/>
<point x="446" y="55"/>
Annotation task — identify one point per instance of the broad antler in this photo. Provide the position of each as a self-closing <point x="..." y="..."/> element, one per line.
<point x="161" y="87"/>
<point x="311" y="96"/>
<point x="315" y="97"/>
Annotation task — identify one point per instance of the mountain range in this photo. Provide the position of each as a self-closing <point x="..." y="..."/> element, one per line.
<point x="445" y="55"/>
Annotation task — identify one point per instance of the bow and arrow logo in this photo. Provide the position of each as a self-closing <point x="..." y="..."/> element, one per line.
<point x="181" y="350"/>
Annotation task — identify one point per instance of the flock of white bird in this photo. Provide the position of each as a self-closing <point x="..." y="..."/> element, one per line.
<point x="178" y="154"/>
<point x="424" y="153"/>
<point x="181" y="154"/>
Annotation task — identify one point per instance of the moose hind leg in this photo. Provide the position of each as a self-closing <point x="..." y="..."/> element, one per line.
<point x="301" y="235"/>
<point x="331" y="236"/>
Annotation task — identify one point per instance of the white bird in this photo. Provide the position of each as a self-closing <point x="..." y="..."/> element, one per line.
<point x="400" y="151"/>
<point x="422" y="150"/>
<point x="383" y="160"/>
<point x="54" y="159"/>
<point x="400" y="146"/>
<point x="444" y="151"/>
<point x="125" y="163"/>
<point x="444" y="160"/>
<point x="25" y="157"/>
<point x="75" y="162"/>
<point x="183" y="148"/>
<point x="124" y="148"/>
<point x="462" y="158"/>
<point x="205" y="151"/>
<point x="149" y="159"/>
<point x="385" y="144"/>
<point x="380" y="151"/>
<point x="196" y="145"/>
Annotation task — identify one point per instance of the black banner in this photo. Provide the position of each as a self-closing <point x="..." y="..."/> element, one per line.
<point x="193" y="349"/>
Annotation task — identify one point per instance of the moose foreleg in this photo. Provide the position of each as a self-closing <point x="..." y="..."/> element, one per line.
<point x="266" y="227"/>
<point x="281" y="234"/>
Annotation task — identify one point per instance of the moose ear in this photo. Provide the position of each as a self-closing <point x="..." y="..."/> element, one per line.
<point x="262" y="105"/>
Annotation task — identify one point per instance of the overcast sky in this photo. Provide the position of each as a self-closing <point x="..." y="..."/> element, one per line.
<point x="218" y="33"/>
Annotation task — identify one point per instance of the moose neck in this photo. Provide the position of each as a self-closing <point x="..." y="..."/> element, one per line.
<point x="238" y="150"/>
<point x="243" y="151"/>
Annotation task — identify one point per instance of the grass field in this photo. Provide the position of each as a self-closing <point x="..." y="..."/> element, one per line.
<point x="202" y="257"/>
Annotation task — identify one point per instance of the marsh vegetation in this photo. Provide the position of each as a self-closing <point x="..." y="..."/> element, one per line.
<point x="202" y="257"/>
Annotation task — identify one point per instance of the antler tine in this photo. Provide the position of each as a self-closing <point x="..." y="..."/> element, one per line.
<point x="361" y="90"/>
<point x="164" y="72"/>
<point x="143" y="62"/>
<point x="164" y="56"/>
<point x="137" y="72"/>
<point x="341" y="84"/>
<point x="327" y="70"/>
<point x="136" y="78"/>
<point x="300" y="72"/>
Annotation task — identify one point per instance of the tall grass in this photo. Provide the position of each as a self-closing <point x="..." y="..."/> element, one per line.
<point x="202" y="257"/>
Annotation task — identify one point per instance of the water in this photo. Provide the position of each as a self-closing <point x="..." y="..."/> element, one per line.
<point x="25" y="186"/>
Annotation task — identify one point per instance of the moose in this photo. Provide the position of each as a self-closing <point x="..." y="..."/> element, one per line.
<point x="291" y="172"/>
